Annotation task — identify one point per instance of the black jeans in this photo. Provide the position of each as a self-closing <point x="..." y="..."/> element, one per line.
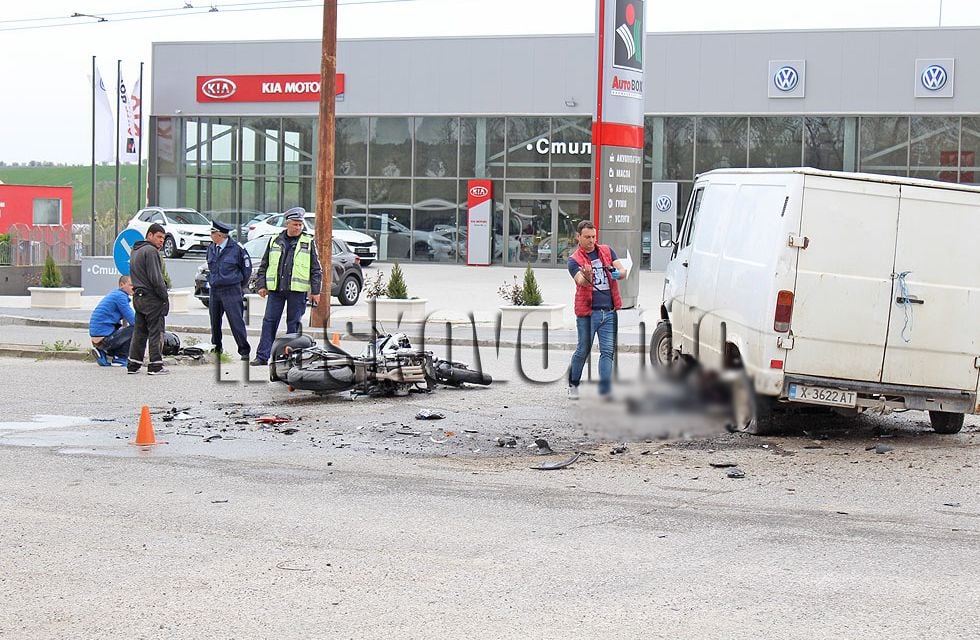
<point x="117" y="344"/>
<point x="151" y="313"/>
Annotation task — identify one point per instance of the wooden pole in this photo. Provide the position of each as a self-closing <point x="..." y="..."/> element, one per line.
<point x="320" y="316"/>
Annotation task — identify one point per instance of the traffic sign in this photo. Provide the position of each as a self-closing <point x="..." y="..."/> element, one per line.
<point x="123" y="247"/>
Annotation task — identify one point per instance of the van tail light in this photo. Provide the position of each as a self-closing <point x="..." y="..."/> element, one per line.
<point x="784" y="311"/>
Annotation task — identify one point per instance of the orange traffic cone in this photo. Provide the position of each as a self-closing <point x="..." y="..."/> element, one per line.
<point x="144" y="433"/>
<point x="335" y="339"/>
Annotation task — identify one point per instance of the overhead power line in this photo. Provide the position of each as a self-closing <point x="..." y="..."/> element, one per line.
<point x="186" y="10"/>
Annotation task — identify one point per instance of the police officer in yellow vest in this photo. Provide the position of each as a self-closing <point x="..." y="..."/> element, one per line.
<point x="289" y="273"/>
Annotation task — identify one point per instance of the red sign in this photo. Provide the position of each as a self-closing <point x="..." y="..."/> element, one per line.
<point x="293" y="87"/>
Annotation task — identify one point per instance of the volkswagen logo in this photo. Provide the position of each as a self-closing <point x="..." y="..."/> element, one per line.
<point x="664" y="204"/>
<point x="786" y="78"/>
<point x="933" y="77"/>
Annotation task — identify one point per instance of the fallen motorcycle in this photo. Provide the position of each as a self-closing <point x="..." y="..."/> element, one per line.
<point x="389" y="366"/>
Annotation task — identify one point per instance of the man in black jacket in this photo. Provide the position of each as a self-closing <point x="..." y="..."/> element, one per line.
<point x="149" y="300"/>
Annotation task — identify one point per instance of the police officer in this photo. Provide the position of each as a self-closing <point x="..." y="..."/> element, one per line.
<point x="289" y="273"/>
<point x="230" y="269"/>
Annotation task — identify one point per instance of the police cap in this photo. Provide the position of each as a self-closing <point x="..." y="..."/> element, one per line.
<point x="221" y="227"/>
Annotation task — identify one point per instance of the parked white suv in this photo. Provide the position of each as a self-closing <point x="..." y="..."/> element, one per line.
<point x="361" y="245"/>
<point x="187" y="229"/>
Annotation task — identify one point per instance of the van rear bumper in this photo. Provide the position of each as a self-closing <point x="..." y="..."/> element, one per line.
<point x="891" y="396"/>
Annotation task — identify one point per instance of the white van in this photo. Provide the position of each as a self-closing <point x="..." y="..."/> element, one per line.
<point x="857" y="291"/>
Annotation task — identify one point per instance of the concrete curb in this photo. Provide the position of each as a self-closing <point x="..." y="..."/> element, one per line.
<point x="38" y="352"/>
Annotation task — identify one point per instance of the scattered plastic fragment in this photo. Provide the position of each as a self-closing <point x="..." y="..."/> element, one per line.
<point x="543" y="447"/>
<point x="724" y="464"/>
<point x="216" y="436"/>
<point x="736" y="473"/>
<point x="508" y="442"/>
<point x="427" y="414"/>
<point x="273" y="420"/>
<point x="620" y="449"/>
<point x="289" y="431"/>
<point x="552" y="466"/>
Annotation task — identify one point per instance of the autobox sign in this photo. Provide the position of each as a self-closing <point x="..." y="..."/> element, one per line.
<point x="293" y="87"/>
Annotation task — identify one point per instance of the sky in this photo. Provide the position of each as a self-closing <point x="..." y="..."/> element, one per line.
<point x="45" y="103"/>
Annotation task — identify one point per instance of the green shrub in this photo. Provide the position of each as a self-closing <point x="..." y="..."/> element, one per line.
<point x="51" y="277"/>
<point x="397" y="290"/>
<point x="166" y="276"/>
<point x="532" y="294"/>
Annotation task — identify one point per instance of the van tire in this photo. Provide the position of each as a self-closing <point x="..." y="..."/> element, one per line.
<point x="946" y="422"/>
<point x="751" y="413"/>
<point x="662" y="347"/>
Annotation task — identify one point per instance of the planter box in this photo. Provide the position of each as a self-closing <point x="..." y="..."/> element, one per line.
<point x="256" y="308"/>
<point x="180" y="300"/>
<point x="389" y="310"/>
<point x="56" y="297"/>
<point x="533" y="317"/>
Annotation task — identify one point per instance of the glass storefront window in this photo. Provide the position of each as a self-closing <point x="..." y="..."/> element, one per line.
<point x="721" y="143"/>
<point x="934" y="153"/>
<point x="166" y="158"/>
<point x="969" y="147"/>
<point x="669" y="148"/>
<point x="439" y="236"/>
<point x="390" y="150"/>
<point x="775" y="142"/>
<point x="436" y="146"/>
<point x="885" y="145"/>
<point x="525" y="140"/>
<point x="350" y="147"/>
<point x="481" y="147"/>
<point x="219" y="146"/>
<point x="829" y="142"/>
<point x="571" y="148"/>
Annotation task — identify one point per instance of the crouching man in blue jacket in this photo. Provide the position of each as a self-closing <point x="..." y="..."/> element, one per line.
<point x="110" y="338"/>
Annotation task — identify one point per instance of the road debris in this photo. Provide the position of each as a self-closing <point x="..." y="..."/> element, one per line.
<point x="284" y="565"/>
<point x="735" y="473"/>
<point x="218" y="501"/>
<point x="552" y="466"/>
<point x="951" y="504"/>
<point x="216" y="436"/>
<point x="543" y="447"/>
<point x="509" y="442"/>
<point x="620" y="449"/>
<point x="428" y="414"/>
<point x="724" y="464"/>
<point x="273" y="420"/>
<point x="879" y="448"/>
<point x="289" y="431"/>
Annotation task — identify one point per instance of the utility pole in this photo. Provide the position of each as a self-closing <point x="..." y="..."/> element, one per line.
<point x="320" y="316"/>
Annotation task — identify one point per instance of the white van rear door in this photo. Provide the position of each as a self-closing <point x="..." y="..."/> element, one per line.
<point x="934" y="339"/>
<point x="843" y="285"/>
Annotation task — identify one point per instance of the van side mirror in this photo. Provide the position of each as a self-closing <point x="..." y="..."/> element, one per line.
<point x="666" y="235"/>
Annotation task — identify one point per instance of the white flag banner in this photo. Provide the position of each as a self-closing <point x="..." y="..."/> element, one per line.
<point x="137" y="101"/>
<point x="128" y="131"/>
<point x="104" y="129"/>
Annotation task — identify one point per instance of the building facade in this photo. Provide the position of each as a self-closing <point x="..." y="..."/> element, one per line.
<point x="234" y="124"/>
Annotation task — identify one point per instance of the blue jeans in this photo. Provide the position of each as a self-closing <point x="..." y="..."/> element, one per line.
<point x="295" y="304"/>
<point x="604" y="324"/>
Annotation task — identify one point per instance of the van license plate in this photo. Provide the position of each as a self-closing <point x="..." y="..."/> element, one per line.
<point x="822" y="395"/>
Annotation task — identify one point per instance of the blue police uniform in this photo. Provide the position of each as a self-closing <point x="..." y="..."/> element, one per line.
<point x="230" y="269"/>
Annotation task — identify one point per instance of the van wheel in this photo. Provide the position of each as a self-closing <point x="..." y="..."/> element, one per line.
<point x="751" y="413"/>
<point x="946" y="422"/>
<point x="665" y="360"/>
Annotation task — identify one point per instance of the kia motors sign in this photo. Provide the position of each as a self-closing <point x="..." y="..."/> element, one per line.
<point x="479" y="223"/>
<point x="617" y="133"/>
<point x="295" y="87"/>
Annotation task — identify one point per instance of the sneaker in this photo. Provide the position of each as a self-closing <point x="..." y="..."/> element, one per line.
<point x="258" y="362"/>
<point x="100" y="356"/>
<point x="572" y="392"/>
<point x="131" y="371"/>
<point x="158" y="372"/>
<point x="120" y="362"/>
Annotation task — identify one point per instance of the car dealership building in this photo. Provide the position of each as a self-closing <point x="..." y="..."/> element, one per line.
<point x="234" y="124"/>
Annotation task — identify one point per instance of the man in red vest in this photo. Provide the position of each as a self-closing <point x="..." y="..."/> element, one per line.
<point x="596" y="270"/>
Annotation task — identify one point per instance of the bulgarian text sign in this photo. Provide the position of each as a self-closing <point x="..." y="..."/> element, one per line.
<point x="479" y="224"/>
<point x="294" y="87"/>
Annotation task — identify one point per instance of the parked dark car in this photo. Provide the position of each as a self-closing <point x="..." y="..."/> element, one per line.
<point x="346" y="281"/>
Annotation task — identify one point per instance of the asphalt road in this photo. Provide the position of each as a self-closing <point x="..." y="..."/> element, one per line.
<point x="348" y="528"/>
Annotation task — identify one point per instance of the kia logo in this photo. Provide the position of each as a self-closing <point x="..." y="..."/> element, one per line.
<point x="934" y="77"/>
<point x="219" y="88"/>
<point x="479" y="191"/>
<point x="786" y="78"/>
<point x="664" y="204"/>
